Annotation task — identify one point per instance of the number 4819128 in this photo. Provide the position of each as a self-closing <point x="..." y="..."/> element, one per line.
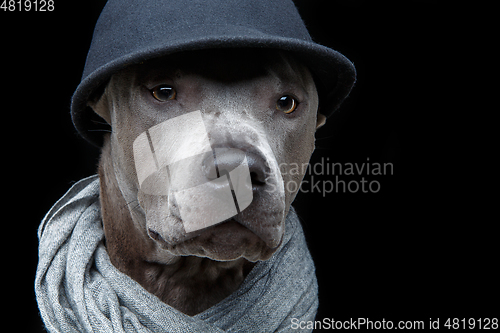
<point x="27" y="5"/>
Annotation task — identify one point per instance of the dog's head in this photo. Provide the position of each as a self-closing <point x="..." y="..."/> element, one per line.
<point x="200" y="146"/>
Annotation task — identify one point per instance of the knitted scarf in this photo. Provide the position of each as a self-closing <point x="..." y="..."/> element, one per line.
<point x="79" y="290"/>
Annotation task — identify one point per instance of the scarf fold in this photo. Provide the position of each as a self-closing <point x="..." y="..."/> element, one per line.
<point x="79" y="290"/>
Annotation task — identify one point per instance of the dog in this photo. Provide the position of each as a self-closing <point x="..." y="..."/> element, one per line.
<point x="261" y="102"/>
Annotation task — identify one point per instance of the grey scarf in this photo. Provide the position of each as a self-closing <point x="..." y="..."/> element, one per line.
<point x="79" y="290"/>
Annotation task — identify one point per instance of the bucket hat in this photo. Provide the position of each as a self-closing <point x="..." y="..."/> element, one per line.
<point x="133" y="31"/>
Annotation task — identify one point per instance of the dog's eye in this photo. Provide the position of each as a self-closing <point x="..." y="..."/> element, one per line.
<point x="286" y="104"/>
<point x="163" y="92"/>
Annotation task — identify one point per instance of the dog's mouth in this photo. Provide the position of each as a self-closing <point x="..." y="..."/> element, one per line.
<point x="226" y="241"/>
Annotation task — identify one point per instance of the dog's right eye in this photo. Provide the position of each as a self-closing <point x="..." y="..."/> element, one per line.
<point x="286" y="104"/>
<point x="163" y="92"/>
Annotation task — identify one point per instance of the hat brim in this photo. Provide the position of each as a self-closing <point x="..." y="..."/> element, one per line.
<point x="334" y="74"/>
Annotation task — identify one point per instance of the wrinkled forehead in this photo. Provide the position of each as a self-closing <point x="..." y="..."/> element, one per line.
<point x="227" y="66"/>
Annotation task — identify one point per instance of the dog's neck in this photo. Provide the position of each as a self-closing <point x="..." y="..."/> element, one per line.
<point x="191" y="284"/>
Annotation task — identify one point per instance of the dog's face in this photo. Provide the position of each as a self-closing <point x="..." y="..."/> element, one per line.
<point x="256" y="108"/>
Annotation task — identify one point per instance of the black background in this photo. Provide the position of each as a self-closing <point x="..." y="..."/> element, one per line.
<point x="420" y="248"/>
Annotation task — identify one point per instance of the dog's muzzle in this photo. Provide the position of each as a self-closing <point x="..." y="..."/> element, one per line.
<point x="205" y="185"/>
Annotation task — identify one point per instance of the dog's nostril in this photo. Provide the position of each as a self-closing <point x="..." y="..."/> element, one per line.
<point x="257" y="178"/>
<point x="257" y="168"/>
<point x="154" y="235"/>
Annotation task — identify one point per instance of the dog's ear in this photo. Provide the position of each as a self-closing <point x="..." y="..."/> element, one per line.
<point x="321" y="120"/>
<point x="100" y="106"/>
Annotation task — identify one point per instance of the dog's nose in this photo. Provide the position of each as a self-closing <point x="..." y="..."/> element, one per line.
<point x="225" y="160"/>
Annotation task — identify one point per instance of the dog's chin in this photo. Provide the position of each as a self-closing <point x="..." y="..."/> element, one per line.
<point x="227" y="241"/>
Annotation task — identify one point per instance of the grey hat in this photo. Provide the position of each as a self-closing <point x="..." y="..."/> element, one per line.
<point x="132" y="31"/>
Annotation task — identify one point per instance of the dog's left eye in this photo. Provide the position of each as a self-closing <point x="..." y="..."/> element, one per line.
<point x="163" y="92"/>
<point x="286" y="104"/>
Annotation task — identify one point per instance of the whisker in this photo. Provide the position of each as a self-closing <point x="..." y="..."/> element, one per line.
<point x="325" y="138"/>
<point x="99" y="130"/>
<point x="131" y="203"/>
<point x="99" y="122"/>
